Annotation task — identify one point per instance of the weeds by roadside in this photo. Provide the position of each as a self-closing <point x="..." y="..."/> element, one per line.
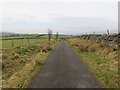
<point x="20" y="64"/>
<point x="101" y="59"/>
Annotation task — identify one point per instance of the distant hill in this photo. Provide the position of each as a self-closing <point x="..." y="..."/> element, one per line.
<point x="7" y="34"/>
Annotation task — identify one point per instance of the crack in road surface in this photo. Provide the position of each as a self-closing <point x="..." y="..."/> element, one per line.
<point x="63" y="69"/>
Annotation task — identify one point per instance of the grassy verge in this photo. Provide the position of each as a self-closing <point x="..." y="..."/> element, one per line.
<point x="20" y="64"/>
<point x="102" y="60"/>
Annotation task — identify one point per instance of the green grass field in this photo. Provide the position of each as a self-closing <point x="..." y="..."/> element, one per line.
<point x="33" y="36"/>
<point x="60" y="36"/>
<point x="20" y="36"/>
<point x="19" y="42"/>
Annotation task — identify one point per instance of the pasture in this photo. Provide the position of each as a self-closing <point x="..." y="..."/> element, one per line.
<point x="24" y="39"/>
<point x="17" y="42"/>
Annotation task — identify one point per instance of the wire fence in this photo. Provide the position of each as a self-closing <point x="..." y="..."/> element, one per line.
<point x="14" y="42"/>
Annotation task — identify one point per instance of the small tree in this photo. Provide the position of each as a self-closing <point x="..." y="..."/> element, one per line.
<point x="57" y="35"/>
<point x="108" y="32"/>
<point x="49" y="34"/>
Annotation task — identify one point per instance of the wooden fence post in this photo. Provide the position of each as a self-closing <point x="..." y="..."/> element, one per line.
<point x="12" y="42"/>
<point x="28" y="40"/>
<point x="22" y="41"/>
<point x="39" y="39"/>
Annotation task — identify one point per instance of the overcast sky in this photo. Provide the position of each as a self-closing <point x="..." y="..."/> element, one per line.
<point x="63" y="16"/>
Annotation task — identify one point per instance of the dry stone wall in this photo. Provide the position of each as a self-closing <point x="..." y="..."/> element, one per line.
<point x="111" y="40"/>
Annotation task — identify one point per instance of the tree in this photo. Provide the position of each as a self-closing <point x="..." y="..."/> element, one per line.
<point x="108" y="32"/>
<point x="49" y="34"/>
<point x="57" y="35"/>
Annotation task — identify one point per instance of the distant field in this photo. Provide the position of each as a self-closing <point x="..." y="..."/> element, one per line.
<point x="20" y="36"/>
<point x="60" y="36"/>
<point x="33" y="36"/>
<point x="4" y="34"/>
<point x="7" y="34"/>
<point x="8" y="43"/>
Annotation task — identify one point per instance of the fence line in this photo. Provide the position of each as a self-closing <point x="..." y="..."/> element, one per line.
<point x="34" y="38"/>
<point x="22" y="41"/>
<point x="23" y="38"/>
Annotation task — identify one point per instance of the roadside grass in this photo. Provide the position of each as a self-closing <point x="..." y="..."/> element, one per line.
<point x="101" y="60"/>
<point x="20" y="64"/>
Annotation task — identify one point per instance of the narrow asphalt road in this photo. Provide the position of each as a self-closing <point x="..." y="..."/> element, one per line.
<point x="63" y="69"/>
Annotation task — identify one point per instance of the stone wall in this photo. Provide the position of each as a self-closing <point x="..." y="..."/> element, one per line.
<point x="111" y="40"/>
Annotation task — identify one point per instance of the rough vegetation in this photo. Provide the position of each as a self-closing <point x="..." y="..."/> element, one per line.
<point x="101" y="59"/>
<point x="21" y="63"/>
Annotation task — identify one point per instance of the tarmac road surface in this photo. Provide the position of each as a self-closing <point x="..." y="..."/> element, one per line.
<point x="64" y="69"/>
